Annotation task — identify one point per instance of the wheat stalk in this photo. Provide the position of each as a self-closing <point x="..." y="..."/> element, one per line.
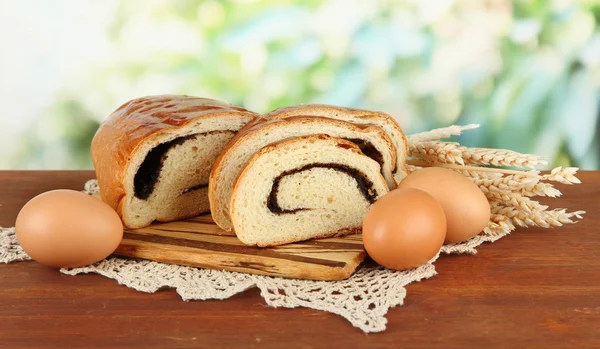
<point x="481" y="170"/>
<point x="502" y="184"/>
<point x="544" y="219"/>
<point x="440" y="133"/>
<point x="474" y="174"/>
<point x="540" y="189"/>
<point x="525" y="185"/>
<point x="431" y="151"/>
<point x="559" y="174"/>
<point x="563" y="175"/>
<point x="499" y="225"/>
<point x="454" y="153"/>
<point x="501" y="157"/>
<point x="467" y="172"/>
<point x="515" y="200"/>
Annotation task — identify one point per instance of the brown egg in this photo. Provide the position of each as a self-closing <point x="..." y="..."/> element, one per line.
<point x="404" y="229"/>
<point x="68" y="229"/>
<point x="466" y="207"/>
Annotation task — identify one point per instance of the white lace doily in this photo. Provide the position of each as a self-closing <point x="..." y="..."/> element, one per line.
<point x="364" y="299"/>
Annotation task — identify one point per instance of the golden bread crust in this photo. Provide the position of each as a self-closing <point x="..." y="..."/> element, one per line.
<point x="343" y="113"/>
<point x="136" y="122"/>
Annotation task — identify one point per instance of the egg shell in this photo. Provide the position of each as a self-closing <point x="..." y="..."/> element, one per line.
<point x="68" y="229"/>
<point x="466" y="207"/>
<point x="404" y="229"/>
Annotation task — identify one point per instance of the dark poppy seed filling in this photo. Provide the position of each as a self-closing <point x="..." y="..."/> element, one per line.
<point x="364" y="184"/>
<point x="368" y="149"/>
<point x="194" y="188"/>
<point x="147" y="175"/>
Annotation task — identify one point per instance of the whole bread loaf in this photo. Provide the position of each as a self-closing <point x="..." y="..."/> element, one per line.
<point x="153" y="155"/>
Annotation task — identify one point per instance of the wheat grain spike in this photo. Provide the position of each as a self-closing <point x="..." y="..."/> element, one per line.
<point x="440" y="133"/>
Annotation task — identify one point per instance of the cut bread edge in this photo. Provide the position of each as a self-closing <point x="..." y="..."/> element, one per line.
<point x="353" y="115"/>
<point x="290" y="142"/>
<point x="222" y="181"/>
<point x="127" y="130"/>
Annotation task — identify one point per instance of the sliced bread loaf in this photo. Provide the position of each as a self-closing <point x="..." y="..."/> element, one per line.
<point x="261" y="132"/>
<point x="357" y="116"/>
<point x="304" y="187"/>
<point x="153" y="155"/>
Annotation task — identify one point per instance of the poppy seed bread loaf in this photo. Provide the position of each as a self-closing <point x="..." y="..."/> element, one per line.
<point x="153" y="155"/>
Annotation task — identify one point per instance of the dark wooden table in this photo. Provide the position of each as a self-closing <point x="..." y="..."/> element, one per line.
<point x="533" y="289"/>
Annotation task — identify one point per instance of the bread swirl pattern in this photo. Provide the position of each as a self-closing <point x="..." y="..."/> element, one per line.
<point x="304" y="187"/>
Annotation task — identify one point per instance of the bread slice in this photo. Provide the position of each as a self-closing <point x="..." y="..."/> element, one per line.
<point x="357" y="116"/>
<point x="153" y="155"/>
<point x="304" y="187"/>
<point x="261" y="132"/>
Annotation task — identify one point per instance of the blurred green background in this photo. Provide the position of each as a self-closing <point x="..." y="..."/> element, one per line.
<point x="528" y="71"/>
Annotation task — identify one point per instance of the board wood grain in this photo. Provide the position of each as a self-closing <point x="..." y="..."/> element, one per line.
<point x="199" y="242"/>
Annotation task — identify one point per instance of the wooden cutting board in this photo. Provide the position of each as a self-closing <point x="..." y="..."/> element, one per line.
<point x="200" y="242"/>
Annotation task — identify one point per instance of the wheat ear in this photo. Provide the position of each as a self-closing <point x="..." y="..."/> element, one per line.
<point x="559" y="174"/>
<point x="454" y="153"/>
<point x="544" y="219"/>
<point x="440" y="133"/>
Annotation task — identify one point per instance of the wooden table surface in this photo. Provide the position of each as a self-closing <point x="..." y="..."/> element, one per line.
<point x="533" y="289"/>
